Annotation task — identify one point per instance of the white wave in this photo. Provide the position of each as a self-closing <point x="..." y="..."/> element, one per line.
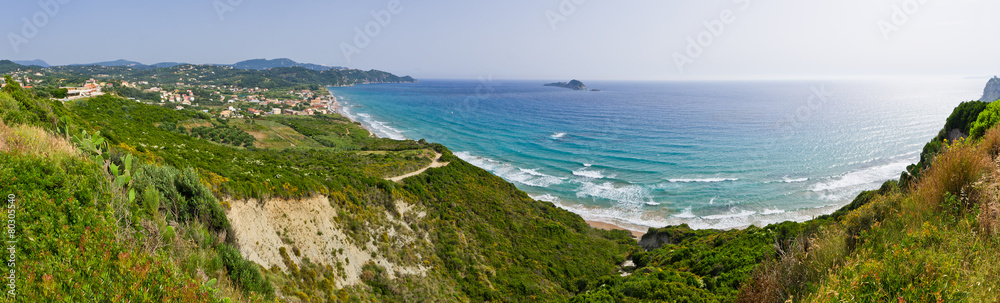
<point x="789" y="180"/>
<point x="653" y="203"/>
<point x="744" y="213"/>
<point x="858" y="180"/>
<point x="557" y="136"/>
<point x="630" y="194"/>
<point x="686" y="214"/>
<point x="705" y="180"/>
<point x="772" y="211"/>
<point x="628" y="217"/>
<point x="533" y="172"/>
<point x="509" y="172"/>
<point x="587" y="165"/>
<point x="639" y="218"/>
<point x="546" y="198"/>
<point x="381" y="129"/>
<point x="593" y="174"/>
<point x="712" y="201"/>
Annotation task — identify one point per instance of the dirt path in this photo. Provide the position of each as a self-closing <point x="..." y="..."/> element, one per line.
<point x="434" y="163"/>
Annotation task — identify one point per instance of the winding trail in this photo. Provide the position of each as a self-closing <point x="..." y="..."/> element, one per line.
<point x="434" y="164"/>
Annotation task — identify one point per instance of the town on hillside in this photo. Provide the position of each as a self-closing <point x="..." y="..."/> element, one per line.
<point x="222" y="101"/>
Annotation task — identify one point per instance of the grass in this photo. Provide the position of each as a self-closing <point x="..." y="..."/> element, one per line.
<point x="69" y="248"/>
<point x="934" y="240"/>
<point x="930" y="237"/>
<point x="271" y="134"/>
<point x="35" y="141"/>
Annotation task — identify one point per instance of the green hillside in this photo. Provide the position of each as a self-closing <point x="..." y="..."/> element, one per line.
<point x="118" y="201"/>
<point x="486" y="239"/>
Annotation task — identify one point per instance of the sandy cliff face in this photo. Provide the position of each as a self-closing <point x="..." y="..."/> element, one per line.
<point x="309" y="225"/>
<point x="992" y="91"/>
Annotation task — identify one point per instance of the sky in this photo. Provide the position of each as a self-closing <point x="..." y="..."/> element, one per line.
<point x="526" y="39"/>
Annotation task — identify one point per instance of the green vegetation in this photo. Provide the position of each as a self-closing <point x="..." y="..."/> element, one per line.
<point x="221" y="133"/>
<point x="933" y="239"/>
<point x="280" y="78"/>
<point x="127" y="92"/>
<point x="962" y="119"/>
<point x="488" y="240"/>
<point x="986" y="120"/>
<point x="124" y="201"/>
<point x="68" y="246"/>
<point x="686" y="265"/>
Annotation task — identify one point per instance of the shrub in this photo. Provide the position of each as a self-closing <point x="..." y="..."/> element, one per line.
<point x="182" y="193"/>
<point x="244" y="273"/>
<point x="991" y="142"/>
<point x="953" y="171"/>
<point x="964" y="116"/>
<point x="986" y="120"/>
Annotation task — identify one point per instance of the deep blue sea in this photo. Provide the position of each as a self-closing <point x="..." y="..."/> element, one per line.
<point x="640" y="154"/>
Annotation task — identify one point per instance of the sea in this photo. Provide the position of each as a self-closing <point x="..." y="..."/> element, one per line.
<point x="711" y="154"/>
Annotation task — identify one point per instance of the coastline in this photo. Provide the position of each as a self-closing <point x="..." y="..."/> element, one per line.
<point x="340" y="109"/>
<point x="733" y="219"/>
<point x="608" y="226"/>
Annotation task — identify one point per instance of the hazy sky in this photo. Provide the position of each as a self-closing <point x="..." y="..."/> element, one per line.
<point x="527" y="39"/>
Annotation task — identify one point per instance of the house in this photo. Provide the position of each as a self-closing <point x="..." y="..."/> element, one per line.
<point x="226" y="113"/>
<point x="318" y="103"/>
<point x="275" y="111"/>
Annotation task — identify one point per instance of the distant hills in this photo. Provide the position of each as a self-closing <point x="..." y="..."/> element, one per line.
<point x="264" y="64"/>
<point x="35" y="62"/>
<point x="117" y="63"/>
<point x="253" y="64"/>
<point x="170" y="73"/>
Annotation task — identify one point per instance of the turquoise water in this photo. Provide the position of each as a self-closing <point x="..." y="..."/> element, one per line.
<point x="640" y="154"/>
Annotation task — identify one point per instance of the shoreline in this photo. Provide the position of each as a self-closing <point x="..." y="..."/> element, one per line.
<point x="609" y="226"/>
<point x="798" y="215"/>
<point x="341" y="110"/>
<point x="338" y="108"/>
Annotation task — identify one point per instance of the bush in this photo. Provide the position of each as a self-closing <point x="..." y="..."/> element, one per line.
<point x="986" y="120"/>
<point x="182" y="194"/>
<point x="244" y="273"/>
<point x="963" y="117"/>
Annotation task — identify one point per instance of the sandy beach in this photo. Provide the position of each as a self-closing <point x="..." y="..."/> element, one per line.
<point x="609" y="226"/>
<point x="338" y="108"/>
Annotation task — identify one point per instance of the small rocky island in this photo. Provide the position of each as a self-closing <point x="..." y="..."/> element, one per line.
<point x="574" y="85"/>
<point x="992" y="91"/>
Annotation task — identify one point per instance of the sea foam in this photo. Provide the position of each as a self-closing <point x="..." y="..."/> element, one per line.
<point x="592" y="174"/>
<point x="704" y="180"/>
<point x="509" y="172"/>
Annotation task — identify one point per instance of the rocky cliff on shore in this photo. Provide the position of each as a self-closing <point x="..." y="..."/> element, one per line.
<point x="992" y="91"/>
